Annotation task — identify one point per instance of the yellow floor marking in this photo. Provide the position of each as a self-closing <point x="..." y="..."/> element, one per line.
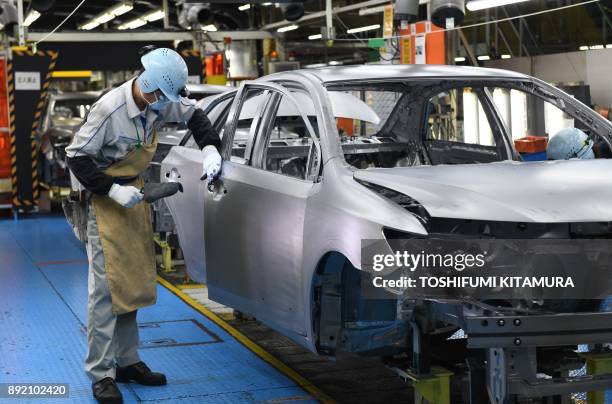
<point x="244" y="340"/>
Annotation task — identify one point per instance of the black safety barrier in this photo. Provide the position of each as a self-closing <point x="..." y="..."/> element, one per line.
<point x="28" y="75"/>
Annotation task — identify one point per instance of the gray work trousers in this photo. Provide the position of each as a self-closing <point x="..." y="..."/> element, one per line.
<point x="111" y="339"/>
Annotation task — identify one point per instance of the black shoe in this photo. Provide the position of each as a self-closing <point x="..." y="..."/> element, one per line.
<point x="107" y="392"/>
<point x="141" y="374"/>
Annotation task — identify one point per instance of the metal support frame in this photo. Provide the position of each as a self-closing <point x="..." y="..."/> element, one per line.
<point x="421" y="358"/>
<point x="166" y="14"/>
<point x="21" y="39"/>
<point x="522" y="48"/>
<point x="504" y="39"/>
<point x="329" y="22"/>
<point x="477" y="381"/>
<point x="606" y="23"/>
<point x="146" y="36"/>
<point x="509" y="339"/>
<point x="468" y="48"/>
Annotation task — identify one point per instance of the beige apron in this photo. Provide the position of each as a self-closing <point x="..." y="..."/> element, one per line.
<point x="126" y="235"/>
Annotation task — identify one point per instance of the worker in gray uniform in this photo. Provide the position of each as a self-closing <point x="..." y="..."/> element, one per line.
<point x="108" y="155"/>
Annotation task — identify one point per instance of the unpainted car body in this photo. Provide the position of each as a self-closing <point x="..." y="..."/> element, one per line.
<point x="62" y="114"/>
<point x="288" y="250"/>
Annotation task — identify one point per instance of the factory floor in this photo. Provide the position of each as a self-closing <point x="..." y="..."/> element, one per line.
<point x="43" y="305"/>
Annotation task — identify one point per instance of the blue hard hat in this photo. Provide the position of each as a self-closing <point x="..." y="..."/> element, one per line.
<point x="165" y="70"/>
<point x="570" y="143"/>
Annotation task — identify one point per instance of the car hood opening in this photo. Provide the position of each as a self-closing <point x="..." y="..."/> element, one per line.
<point x="545" y="192"/>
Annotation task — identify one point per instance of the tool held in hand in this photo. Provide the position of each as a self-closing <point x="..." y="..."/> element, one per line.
<point x="153" y="191"/>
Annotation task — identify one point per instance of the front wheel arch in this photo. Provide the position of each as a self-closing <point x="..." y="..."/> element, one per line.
<point x="338" y="304"/>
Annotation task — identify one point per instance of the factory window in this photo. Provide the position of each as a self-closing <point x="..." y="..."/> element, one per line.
<point x="457" y="115"/>
<point x="528" y="115"/>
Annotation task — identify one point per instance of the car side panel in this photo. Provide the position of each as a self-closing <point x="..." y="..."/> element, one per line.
<point x="254" y="227"/>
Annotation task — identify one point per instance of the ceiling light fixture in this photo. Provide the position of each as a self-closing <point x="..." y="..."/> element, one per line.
<point x="315" y="36"/>
<point x="209" y="27"/>
<point x="596" y="47"/>
<point x="362" y="29"/>
<point x="31" y="17"/>
<point x="609" y="46"/>
<point x="459" y="59"/>
<point x="89" y="25"/>
<point x="584" y="48"/>
<point x="154" y="15"/>
<point x="138" y="22"/>
<point x="142" y="20"/>
<point x="371" y="10"/>
<point x="476" y="5"/>
<point x="287" y="28"/>
<point x="244" y="7"/>
<point x="484" y="57"/>
<point x="108" y="15"/>
<point x="506" y="56"/>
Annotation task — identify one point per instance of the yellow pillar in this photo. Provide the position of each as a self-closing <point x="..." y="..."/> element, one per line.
<point x="597" y="363"/>
<point x="435" y="388"/>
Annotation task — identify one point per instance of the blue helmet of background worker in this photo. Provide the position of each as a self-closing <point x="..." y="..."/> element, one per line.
<point x="570" y="143"/>
<point x="165" y="75"/>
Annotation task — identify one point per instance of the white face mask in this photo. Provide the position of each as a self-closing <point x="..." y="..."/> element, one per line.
<point x="159" y="102"/>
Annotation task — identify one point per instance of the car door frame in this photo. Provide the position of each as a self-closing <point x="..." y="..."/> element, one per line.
<point x="190" y="245"/>
<point x="243" y="288"/>
<point x="503" y="146"/>
<point x="230" y="127"/>
<point x="218" y="100"/>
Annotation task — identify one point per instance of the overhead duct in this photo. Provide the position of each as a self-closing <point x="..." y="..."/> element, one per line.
<point x="225" y="16"/>
<point x="42" y="5"/>
<point x="194" y="15"/>
<point x="8" y="18"/>
<point x="441" y="10"/>
<point x="406" y="10"/>
<point x="293" y="11"/>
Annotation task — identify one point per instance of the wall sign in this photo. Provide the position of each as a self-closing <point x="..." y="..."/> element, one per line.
<point x="27" y="81"/>
<point x="195" y="79"/>
<point x="420" y="57"/>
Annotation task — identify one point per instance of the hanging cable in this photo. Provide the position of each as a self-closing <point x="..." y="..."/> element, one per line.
<point x="60" y="24"/>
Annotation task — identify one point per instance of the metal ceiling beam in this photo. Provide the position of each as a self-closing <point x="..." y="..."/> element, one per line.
<point x="323" y="45"/>
<point x="144" y="36"/>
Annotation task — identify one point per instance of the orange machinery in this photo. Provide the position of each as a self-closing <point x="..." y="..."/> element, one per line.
<point x="435" y="43"/>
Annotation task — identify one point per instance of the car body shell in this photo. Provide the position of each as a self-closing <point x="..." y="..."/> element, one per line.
<point x="258" y="238"/>
<point x="54" y="135"/>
